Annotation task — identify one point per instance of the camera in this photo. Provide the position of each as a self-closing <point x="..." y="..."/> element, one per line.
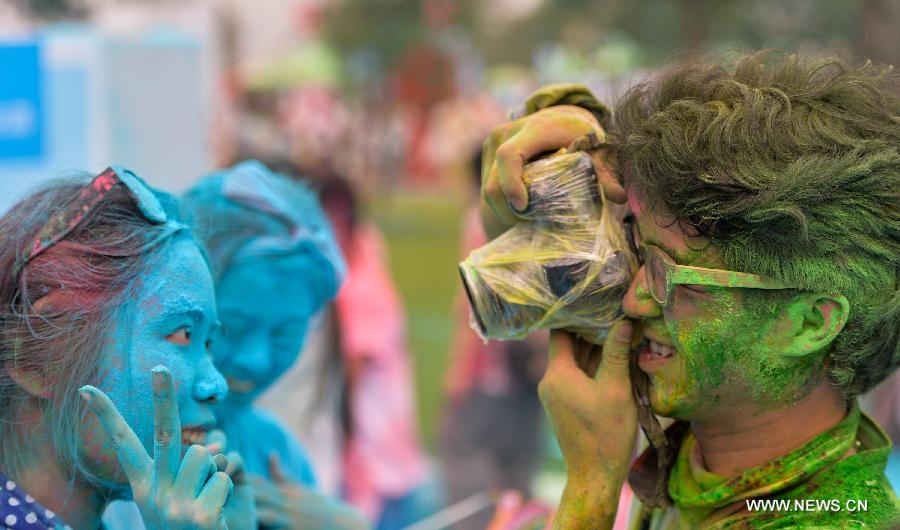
<point x="566" y="265"/>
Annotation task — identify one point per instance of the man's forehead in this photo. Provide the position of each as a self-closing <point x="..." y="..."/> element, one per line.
<point x="666" y="232"/>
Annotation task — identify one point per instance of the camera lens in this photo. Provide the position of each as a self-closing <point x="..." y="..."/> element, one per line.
<point x="472" y="294"/>
<point x="497" y="318"/>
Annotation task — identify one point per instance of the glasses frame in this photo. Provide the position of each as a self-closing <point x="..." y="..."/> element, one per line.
<point x="676" y="275"/>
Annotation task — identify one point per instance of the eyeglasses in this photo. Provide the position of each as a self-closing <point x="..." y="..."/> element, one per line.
<point x="65" y="221"/>
<point x="663" y="275"/>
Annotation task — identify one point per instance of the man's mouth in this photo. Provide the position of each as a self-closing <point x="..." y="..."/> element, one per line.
<point x="654" y="355"/>
<point x="660" y="351"/>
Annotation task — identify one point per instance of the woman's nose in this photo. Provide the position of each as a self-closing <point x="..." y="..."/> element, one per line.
<point x="638" y="303"/>
<point x="252" y="358"/>
<point x="210" y="386"/>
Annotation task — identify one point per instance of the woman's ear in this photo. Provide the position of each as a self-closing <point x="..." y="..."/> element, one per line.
<point x="813" y="321"/>
<point x="32" y="382"/>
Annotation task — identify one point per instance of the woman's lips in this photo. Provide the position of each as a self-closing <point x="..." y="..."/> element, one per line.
<point x="240" y="386"/>
<point x="654" y="355"/>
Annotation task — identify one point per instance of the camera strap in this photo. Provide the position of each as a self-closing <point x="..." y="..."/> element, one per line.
<point x="649" y="477"/>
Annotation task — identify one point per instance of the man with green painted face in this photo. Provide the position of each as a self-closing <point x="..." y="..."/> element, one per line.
<point x="764" y="201"/>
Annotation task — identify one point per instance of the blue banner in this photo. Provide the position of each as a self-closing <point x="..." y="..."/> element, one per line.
<point x="21" y="112"/>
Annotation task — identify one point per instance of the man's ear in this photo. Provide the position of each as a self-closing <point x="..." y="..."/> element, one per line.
<point x="812" y="321"/>
<point x="34" y="383"/>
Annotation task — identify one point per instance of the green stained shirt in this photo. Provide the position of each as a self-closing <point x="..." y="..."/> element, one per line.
<point x="814" y="486"/>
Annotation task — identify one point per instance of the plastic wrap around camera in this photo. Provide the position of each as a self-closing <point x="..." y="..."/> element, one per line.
<point x="565" y="266"/>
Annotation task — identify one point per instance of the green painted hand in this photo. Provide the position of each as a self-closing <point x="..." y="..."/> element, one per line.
<point x="595" y="421"/>
<point x="512" y="145"/>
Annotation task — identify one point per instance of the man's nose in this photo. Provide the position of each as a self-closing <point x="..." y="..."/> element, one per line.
<point x="638" y="302"/>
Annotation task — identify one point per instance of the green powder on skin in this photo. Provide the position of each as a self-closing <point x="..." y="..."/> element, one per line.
<point x="725" y="356"/>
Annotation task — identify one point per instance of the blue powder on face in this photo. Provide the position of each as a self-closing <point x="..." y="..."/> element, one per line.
<point x="175" y="296"/>
<point x="265" y="306"/>
<point x="276" y="265"/>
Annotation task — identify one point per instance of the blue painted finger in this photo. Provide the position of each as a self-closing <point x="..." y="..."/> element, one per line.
<point x="135" y="461"/>
<point x="195" y="469"/>
<point x="166" y="426"/>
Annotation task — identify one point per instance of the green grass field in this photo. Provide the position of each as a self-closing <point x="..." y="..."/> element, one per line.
<point x="422" y="234"/>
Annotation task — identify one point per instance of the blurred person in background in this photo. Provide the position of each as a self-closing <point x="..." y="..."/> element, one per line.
<point x="385" y="474"/>
<point x="492" y="422"/>
<point x="276" y="265"/>
<point x="309" y="399"/>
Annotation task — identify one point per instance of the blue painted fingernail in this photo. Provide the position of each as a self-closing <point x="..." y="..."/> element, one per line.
<point x="158" y="375"/>
<point x="85" y="394"/>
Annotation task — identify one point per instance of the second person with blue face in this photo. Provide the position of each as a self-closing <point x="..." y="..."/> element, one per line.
<point x="275" y="264"/>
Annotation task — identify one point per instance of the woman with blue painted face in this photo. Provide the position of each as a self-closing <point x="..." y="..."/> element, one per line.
<point x="276" y="264"/>
<point x="106" y="294"/>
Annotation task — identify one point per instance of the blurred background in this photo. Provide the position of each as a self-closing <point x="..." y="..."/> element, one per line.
<point x="394" y="96"/>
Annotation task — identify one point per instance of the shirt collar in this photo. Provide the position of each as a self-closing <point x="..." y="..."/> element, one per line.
<point x="696" y="492"/>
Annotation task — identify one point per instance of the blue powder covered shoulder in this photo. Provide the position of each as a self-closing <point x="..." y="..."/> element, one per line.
<point x="270" y="435"/>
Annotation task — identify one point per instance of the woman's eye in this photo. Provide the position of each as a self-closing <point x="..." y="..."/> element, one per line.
<point x="181" y="337"/>
<point x="281" y="337"/>
<point x="286" y="336"/>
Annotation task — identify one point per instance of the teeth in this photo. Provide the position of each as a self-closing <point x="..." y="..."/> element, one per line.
<point x="193" y="437"/>
<point x="661" y="350"/>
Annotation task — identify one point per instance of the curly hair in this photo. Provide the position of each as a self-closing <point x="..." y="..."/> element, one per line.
<point x="792" y="167"/>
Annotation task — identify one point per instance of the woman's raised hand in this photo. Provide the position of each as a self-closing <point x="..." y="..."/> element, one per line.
<point x="281" y="503"/>
<point x="171" y="492"/>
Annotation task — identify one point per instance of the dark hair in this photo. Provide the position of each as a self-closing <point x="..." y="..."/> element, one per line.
<point x="333" y="188"/>
<point x="792" y="168"/>
<point x="55" y="315"/>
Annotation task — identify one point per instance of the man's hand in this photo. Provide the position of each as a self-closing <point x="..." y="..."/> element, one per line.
<point x="281" y="503"/>
<point x="512" y="145"/>
<point x="171" y="492"/>
<point x="595" y="421"/>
